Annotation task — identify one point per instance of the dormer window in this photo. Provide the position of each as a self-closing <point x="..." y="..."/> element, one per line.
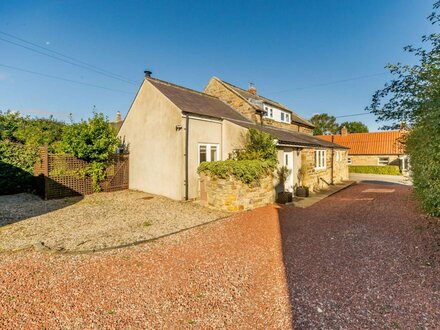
<point x="277" y="114"/>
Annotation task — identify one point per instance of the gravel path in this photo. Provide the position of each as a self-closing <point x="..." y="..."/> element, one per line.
<point x="360" y="259"/>
<point x="98" y="221"/>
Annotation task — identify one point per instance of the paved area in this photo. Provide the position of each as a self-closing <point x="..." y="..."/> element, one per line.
<point x="316" y="197"/>
<point x="97" y="221"/>
<point x="381" y="179"/>
<point x="363" y="258"/>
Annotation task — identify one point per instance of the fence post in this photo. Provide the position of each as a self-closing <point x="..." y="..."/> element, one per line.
<point x="44" y="154"/>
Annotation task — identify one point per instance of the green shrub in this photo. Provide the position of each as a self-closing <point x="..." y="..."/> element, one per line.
<point x="93" y="141"/>
<point x="247" y="171"/>
<point x="423" y="147"/>
<point x="259" y="145"/>
<point x="16" y="167"/>
<point x="386" y="169"/>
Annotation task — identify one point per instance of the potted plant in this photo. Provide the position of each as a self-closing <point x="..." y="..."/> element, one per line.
<point x="284" y="196"/>
<point x="301" y="190"/>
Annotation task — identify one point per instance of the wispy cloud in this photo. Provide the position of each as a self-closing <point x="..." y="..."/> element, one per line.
<point x="3" y="76"/>
<point x="45" y="113"/>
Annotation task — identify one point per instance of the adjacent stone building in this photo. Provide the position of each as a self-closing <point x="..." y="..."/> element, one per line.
<point x="372" y="149"/>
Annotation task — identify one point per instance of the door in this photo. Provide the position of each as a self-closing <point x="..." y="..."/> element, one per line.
<point x="288" y="162"/>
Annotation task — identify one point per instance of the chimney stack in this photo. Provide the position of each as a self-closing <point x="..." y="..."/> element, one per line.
<point x="118" y="117"/>
<point x="147" y="73"/>
<point x="252" y="89"/>
<point x="344" y="131"/>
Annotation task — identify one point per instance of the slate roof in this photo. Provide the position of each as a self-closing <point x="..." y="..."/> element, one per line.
<point x="375" y="143"/>
<point x="198" y="103"/>
<point x="287" y="137"/>
<point x="246" y="95"/>
<point x="195" y="102"/>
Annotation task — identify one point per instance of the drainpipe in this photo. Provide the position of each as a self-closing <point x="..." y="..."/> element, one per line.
<point x="186" y="156"/>
<point x="333" y="163"/>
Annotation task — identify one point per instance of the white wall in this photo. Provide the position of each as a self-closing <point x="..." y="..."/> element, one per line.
<point x="156" y="147"/>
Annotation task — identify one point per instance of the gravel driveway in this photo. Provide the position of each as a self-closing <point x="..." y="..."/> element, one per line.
<point x="95" y="222"/>
<point x="363" y="258"/>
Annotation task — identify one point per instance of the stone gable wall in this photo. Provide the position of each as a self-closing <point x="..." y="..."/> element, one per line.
<point x="217" y="89"/>
<point x="234" y="195"/>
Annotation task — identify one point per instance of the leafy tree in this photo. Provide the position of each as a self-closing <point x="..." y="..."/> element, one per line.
<point x="324" y="124"/>
<point x="413" y="97"/>
<point x="39" y="131"/>
<point x="9" y="123"/>
<point x="354" y="127"/>
<point x="94" y="141"/>
<point x="30" y="131"/>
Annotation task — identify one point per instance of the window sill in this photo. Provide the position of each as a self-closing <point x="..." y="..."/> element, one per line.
<point x="320" y="169"/>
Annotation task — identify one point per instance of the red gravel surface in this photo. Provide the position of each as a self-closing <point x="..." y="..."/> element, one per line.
<point x="362" y="259"/>
<point x="228" y="274"/>
<point x="355" y="260"/>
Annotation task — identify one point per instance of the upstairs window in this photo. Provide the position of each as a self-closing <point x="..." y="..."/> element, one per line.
<point x="320" y="159"/>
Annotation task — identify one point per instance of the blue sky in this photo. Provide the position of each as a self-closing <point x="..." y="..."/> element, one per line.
<point x="285" y="48"/>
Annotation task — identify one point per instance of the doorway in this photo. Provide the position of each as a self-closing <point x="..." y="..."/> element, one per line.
<point x="288" y="162"/>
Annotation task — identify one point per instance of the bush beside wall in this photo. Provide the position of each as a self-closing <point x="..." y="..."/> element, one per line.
<point x="247" y="171"/>
<point x="387" y="169"/>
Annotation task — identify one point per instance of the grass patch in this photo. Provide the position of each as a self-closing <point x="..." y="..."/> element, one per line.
<point x="386" y="169"/>
<point x="147" y="223"/>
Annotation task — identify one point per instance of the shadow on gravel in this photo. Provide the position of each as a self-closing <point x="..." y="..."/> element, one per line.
<point x="361" y="259"/>
<point x="387" y="183"/>
<point x="18" y="207"/>
<point x="17" y="201"/>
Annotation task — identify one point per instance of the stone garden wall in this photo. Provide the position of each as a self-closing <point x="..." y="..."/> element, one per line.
<point x="234" y="195"/>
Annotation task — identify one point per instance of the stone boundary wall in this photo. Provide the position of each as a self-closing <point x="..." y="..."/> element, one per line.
<point x="233" y="195"/>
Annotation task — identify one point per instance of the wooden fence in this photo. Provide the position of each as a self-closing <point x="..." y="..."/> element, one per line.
<point x="59" y="175"/>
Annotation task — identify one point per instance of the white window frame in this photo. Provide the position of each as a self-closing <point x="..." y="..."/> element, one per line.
<point x="208" y="151"/>
<point x="382" y="163"/>
<point x="320" y="159"/>
<point x="338" y="156"/>
<point x="349" y="160"/>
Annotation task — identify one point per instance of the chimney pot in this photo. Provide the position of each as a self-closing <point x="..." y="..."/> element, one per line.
<point x="147" y="73"/>
<point x="118" y="116"/>
<point x="252" y="89"/>
<point x="344" y="131"/>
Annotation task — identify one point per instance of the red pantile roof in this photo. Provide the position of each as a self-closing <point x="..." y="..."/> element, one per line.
<point x="375" y="143"/>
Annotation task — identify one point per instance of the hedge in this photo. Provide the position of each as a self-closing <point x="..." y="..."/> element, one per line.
<point x="247" y="171"/>
<point x="385" y="169"/>
<point x="16" y="167"/>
